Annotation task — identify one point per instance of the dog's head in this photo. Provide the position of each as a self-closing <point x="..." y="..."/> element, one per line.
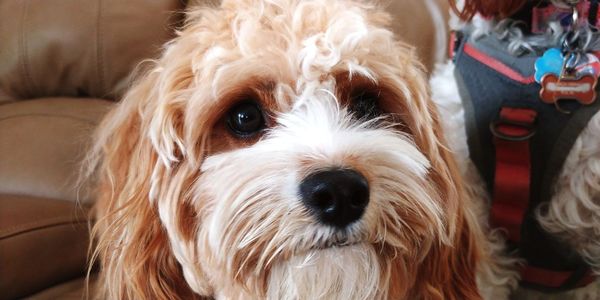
<point x="282" y="149"/>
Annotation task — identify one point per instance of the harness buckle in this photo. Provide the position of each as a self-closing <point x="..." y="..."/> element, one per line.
<point x="528" y="129"/>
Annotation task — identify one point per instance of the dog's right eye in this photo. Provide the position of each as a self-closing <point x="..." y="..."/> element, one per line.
<point x="245" y="119"/>
<point x="365" y="104"/>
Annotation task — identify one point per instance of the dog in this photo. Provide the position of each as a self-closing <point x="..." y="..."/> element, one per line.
<point x="282" y="149"/>
<point x="571" y="216"/>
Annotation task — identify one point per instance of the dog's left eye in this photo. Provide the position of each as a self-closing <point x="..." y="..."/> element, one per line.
<point x="245" y="119"/>
<point x="365" y="104"/>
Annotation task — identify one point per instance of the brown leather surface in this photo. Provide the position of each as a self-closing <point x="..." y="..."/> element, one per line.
<point x="42" y="143"/>
<point x="42" y="242"/>
<point x="71" y="290"/>
<point x="78" y="47"/>
<point x="414" y="23"/>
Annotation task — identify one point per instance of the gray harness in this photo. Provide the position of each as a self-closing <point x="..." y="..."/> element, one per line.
<point x="490" y="78"/>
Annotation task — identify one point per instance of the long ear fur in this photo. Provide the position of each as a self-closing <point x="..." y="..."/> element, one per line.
<point x="449" y="269"/>
<point x="147" y="160"/>
<point x="135" y="255"/>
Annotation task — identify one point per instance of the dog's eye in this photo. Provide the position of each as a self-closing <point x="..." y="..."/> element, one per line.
<point x="365" y="104"/>
<point x="245" y="119"/>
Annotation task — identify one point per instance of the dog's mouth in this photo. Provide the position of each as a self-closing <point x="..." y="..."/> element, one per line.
<point x="333" y="239"/>
<point x="335" y="244"/>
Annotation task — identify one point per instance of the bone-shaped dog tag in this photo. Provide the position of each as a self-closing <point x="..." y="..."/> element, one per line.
<point x="582" y="89"/>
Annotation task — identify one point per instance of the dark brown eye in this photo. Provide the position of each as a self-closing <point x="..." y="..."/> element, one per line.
<point x="364" y="104"/>
<point x="245" y="119"/>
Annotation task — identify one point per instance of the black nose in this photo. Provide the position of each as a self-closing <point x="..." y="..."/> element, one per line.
<point x="337" y="197"/>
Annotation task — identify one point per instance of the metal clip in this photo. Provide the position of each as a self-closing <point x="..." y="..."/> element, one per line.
<point x="570" y="40"/>
<point x="570" y="45"/>
<point x="574" y="14"/>
<point x="570" y="62"/>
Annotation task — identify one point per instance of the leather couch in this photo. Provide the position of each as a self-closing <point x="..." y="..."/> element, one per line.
<point x="63" y="63"/>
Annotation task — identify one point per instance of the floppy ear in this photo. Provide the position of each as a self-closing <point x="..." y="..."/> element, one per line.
<point x="148" y="153"/>
<point x="448" y="270"/>
<point x="487" y="8"/>
<point x="453" y="267"/>
<point x="138" y="145"/>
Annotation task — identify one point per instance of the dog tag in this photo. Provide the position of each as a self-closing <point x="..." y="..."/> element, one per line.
<point x="582" y="89"/>
<point x="570" y="73"/>
<point x="549" y="63"/>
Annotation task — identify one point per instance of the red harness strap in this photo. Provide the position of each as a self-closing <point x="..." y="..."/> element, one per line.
<point x="513" y="131"/>
<point x="553" y="279"/>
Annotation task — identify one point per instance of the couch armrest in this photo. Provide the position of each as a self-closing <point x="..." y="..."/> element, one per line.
<point x="42" y="242"/>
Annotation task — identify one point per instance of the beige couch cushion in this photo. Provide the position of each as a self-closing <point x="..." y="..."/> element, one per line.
<point x="42" y="242"/>
<point x="79" y="47"/>
<point x="75" y="289"/>
<point x="422" y="24"/>
<point x="42" y="143"/>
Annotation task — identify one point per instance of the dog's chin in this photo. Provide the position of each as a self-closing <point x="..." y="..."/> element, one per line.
<point x="331" y="271"/>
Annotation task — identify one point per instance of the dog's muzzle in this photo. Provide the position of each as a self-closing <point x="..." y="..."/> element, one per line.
<point x="337" y="197"/>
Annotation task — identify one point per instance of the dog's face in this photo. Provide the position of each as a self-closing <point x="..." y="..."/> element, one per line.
<point x="282" y="149"/>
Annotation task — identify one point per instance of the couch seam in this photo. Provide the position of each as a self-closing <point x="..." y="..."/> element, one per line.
<point x="99" y="44"/>
<point x="37" y="225"/>
<point x="24" y="48"/>
<point x="91" y="122"/>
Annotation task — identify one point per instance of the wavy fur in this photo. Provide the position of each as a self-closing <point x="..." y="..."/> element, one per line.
<point x="187" y="210"/>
